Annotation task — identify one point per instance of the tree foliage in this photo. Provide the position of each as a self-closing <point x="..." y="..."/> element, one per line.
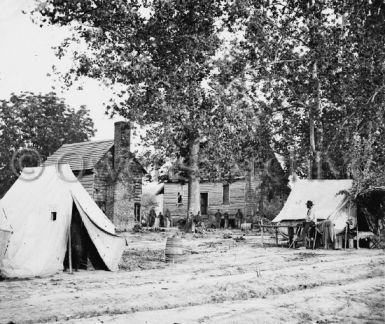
<point x="322" y="63"/>
<point x="34" y="126"/>
<point x="308" y="73"/>
<point x="168" y="57"/>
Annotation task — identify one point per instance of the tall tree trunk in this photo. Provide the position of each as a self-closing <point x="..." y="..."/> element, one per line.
<point x="318" y="145"/>
<point x="193" y="204"/>
<point x="310" y="167"/>
<point x="312" y="143"/>
<point x="315" y="143"/>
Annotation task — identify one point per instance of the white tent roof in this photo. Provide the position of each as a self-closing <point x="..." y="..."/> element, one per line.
<point x="324" y="195"/>
<point x="38" y="244"/>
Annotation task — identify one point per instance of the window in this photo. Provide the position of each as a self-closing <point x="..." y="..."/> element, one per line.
<point x="53" y="216"/>
<point x="137" y="212"/>
<point x="226" y="194"/>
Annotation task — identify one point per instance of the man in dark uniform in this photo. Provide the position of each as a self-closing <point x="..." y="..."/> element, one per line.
<point x="226" y="218"/>
<point x="218" y="217"/>
<point x="238" y="219"/>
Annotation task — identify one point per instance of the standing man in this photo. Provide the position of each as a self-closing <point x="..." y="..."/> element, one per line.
<point x="310" y="219"/>
<point x="161" y="220"/>
<point x="238" y="219"/>
<point x="151" y="217"/>
<point x="226" y="218"/>
<point x="168" y="218"/>
<point x="218" y="217"/>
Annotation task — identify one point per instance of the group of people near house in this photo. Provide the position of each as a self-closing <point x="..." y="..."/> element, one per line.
<point x="219" y="221"/>
<point x="225" y="221"/>
<point x="157" y="220"/>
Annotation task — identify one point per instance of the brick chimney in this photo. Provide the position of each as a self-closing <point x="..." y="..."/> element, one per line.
<point x="122" y="142"/>
<point x="120" y="200"/>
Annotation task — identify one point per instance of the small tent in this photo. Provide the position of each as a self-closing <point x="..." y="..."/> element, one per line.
<point x="38" y="209"/>
<point x="329" y="203"/>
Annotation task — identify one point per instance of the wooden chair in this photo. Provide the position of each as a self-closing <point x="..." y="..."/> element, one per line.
<point x="297" y="234"/>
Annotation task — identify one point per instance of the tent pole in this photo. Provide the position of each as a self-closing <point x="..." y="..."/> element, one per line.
<point x="346" y="235"/>
<point x="69" y="250"/>
<point x="262" y="231"/>
<point x="358" y="240"/>
<point x="276" y="236"/>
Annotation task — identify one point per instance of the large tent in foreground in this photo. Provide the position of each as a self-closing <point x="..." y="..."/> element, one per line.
<point x="35" y="220"/>
<point x="329" y="203"/>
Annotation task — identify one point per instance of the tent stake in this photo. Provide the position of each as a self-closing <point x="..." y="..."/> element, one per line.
<point x="69" y="250"/>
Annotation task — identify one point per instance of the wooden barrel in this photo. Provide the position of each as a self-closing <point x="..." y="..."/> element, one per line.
<point x="174" y="250"/>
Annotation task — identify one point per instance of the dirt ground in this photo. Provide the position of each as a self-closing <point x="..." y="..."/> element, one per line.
<point x="220" y="281"/>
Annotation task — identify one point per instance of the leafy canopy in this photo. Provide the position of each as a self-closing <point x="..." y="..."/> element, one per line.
<point x="34" y="126"/>
<point x="170" y="60"/>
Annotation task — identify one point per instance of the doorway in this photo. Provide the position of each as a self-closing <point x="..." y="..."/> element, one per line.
<point x="204" y="203"/>
<point x="84" y="254"/>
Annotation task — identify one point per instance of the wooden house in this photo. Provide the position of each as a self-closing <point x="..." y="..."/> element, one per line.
<point x="261" y="192"/>
<point x="109" y="172"/>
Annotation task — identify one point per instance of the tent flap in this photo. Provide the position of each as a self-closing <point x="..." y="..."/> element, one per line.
<point x="109" y="246"/>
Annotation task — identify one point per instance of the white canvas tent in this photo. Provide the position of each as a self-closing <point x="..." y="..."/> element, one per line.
<point x="328" y="203"/>
<point x="38" y="208"/>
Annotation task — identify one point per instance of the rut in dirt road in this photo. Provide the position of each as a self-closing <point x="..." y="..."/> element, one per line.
<point x="239" y="274"/>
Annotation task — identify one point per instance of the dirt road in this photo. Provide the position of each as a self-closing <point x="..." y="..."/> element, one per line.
<point x="224" y="282"/>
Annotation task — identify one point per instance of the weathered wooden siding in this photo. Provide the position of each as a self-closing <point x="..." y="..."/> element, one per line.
<point x="260" y="194"/>
<point x="215" y="198"/>
<point x="87" y="180"/>
<point x="215" y="194"/>
<point x="170" y="199"/>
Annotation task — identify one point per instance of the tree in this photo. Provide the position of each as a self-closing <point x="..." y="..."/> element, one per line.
<point x="166" y="55"/>
<point x="34" y="126"/>
<point x="323" y="77"/>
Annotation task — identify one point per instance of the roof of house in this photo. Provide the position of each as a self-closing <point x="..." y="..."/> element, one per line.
<point x="80" y="156"/>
